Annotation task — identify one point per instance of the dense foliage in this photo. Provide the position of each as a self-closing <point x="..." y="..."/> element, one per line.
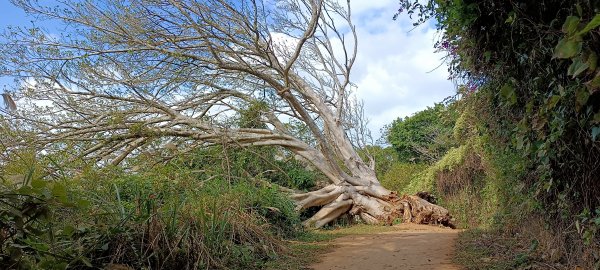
<point x="164" y="217"/>
<point x="424" y="136"/>
<point x="531" y="81"/>
<point x="216" y="207"/>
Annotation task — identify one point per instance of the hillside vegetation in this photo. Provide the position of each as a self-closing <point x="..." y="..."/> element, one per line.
<point x="523" y="165"/>
<point x="195" y="212"/>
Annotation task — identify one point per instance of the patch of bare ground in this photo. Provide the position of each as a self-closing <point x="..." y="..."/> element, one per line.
<point x="409" y="246"/>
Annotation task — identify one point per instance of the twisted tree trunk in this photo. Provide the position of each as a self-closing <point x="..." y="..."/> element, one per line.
<point x="373" y="203"/>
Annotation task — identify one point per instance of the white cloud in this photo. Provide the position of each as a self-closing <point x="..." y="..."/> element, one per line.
<point x="361" y="7"/>
<point x="394" y="65"/>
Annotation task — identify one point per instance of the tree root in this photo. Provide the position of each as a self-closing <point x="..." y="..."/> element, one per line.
<point x="371" y="206"/>
<point x="420" y="211"/>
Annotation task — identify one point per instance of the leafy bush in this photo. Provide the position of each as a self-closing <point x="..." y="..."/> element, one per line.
<point x="272" y="164"/>
<point x="425" y="181"/>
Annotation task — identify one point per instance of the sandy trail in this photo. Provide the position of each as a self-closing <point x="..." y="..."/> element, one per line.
<point x="410" y="247"/>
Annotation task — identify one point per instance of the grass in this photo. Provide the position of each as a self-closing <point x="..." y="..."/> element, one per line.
<point x="143" y="221"/>
<point x="481" y="249"/>
<point x="303" y="251"/>
<point x="530" y="247"/>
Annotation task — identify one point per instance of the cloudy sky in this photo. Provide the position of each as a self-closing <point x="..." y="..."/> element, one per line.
<point x="393" y="69"/>
<point x="394" y="64"/>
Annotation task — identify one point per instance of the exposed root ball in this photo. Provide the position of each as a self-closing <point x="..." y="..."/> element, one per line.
<point x="372" y="204"/>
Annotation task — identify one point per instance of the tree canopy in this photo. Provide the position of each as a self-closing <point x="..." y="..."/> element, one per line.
<point x="424" y="136"/>
<point x="128" y="76"/>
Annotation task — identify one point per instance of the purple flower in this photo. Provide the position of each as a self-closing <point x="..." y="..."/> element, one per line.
<point x="445" y="44"/>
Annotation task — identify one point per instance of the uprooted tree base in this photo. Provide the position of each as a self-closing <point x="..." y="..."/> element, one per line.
<point x="360" y="201"/>
<point x="421" y="210"/>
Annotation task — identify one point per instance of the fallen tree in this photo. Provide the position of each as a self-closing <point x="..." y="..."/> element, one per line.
<point x="134" y="77"/>
<point x="342" y="199"/>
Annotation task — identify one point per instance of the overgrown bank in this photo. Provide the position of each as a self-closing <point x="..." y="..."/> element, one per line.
<point x="525" y="167"/>
<point x="189" y="213"/>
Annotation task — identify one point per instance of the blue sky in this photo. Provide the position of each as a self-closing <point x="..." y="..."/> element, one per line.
<point x="11" y="14"/>
<point x="393" y="65"/>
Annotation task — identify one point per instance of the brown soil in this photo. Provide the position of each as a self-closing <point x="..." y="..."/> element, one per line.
<point x="410" y="247"/>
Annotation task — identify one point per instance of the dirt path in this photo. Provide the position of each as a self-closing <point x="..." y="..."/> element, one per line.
<point x="410" y="247"/>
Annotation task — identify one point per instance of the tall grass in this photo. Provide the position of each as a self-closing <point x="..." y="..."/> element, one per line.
<point x="165" y="218"/>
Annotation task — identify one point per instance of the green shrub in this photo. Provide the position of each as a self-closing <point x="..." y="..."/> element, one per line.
<point x="425" y="180"/>
<point x="483" y="190"/>
<point x="477" y="181"/>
